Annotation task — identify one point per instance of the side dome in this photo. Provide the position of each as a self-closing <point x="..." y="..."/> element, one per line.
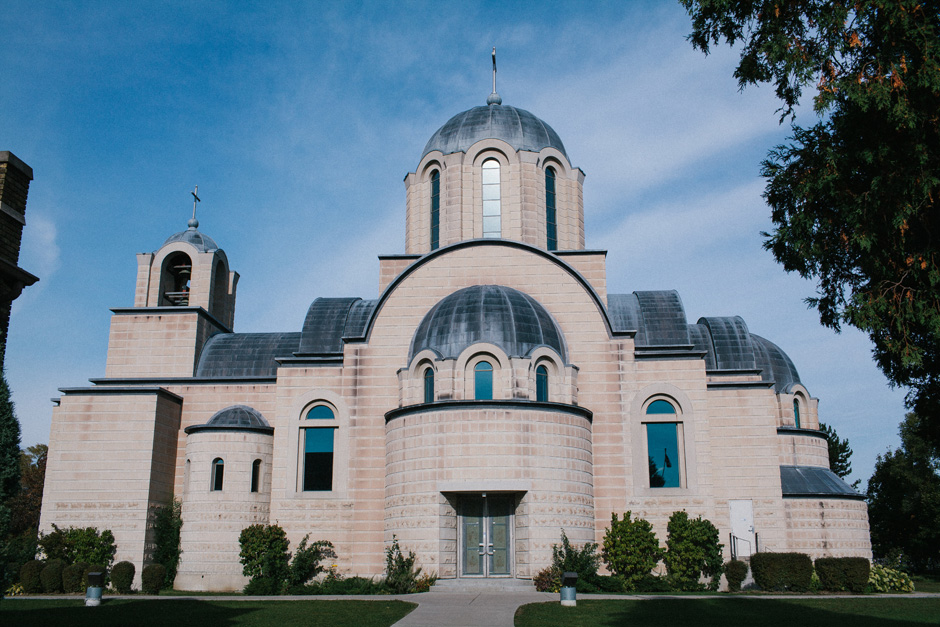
<point x="200" y="241"/>
<point x="499" y="315"/>
<point x="234" y="418"/>
<point x="517" y="127"/>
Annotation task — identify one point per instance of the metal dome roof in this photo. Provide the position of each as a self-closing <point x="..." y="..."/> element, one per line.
<point x="200" y="241"/>
<point x="235" y="418"/>
<point x="499" y="315"/>
<point x="517" y="127"/>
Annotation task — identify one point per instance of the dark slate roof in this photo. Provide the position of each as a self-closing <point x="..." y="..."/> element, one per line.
<point x="732" y="344"/>
<point x="233" y="355"/>
<point x="235" y="418"/>
<point x="202" y="242"/>
<point x="775" y="365"/>
<point x="500" y="315"/>
<point x="657" y="317"/>
<point x="329" y="320"/>
<point x="517" y="127"/>
<point x="814" y="481"/>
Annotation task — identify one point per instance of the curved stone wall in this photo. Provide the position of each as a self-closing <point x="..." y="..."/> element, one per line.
<point x="539" y="452"/>
<point x="802" y="447"/>
<point x="827" y="527"/>
<point x="213" y="519"/>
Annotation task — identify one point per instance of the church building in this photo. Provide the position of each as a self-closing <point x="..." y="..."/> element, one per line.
<point x="496" y="392"/>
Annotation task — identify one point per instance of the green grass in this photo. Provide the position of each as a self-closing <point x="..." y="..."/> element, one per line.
<point x="927" y="584"/>
<point x="743" y="612"/>
<point x="121" y="612"/>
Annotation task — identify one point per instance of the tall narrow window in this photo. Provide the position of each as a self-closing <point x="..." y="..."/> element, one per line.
<point x="483" y="381"/>
<point x="662" y="445"/>
<point x="491" y="199"/>
<point x="255" y="475"/>
<point x="218" y="471"/>
<point x="435" y="209"/>
<point x="429" y="385"/>
<point x="541" y="383"/>
<point x="551" y="229"/>
<point x="318" y="452"/>
<point x="796" y="413"/>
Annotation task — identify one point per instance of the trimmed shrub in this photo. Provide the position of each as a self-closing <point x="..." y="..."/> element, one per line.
<point x="30" y="576"/>
<point x="631" y="549"/>
<point x="265" y="558"/>
<point x="692" y="551"/>
<point x="782" y="571"/>
<point x="73" y="577"/>
<point x="51" y="576"/>
<point x="339" y="585"/>
<point x="884" y="579"/>
<point x="152" y="578"/>
<point x="843" y="573"/>
<point x="79" y="544"/>
<point x="735" y="573"/>
<point x="122" y="577"/>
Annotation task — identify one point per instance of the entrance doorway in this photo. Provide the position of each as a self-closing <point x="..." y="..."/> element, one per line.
<point x="486" y="523"/>
<point x="743" y="538"/>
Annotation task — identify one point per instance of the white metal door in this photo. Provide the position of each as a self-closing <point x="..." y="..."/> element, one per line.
<point x="742" y="527"/>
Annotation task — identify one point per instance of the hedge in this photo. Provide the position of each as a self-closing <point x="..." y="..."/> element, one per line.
<point x="791" y="572"/>
<point x="843" y="573"/>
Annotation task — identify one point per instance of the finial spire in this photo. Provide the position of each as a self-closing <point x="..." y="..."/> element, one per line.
<point x="494" y="98"/>
<point x="194" y="223"/>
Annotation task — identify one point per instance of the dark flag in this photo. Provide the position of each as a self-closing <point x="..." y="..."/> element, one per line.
<point x="666" y="455"/>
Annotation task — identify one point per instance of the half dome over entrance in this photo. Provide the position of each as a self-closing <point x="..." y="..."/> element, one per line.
<point x="517" y="127"/>
<point x="495" y="314"/>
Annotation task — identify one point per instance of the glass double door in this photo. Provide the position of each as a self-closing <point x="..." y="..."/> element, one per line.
<point x="486" y="535"/>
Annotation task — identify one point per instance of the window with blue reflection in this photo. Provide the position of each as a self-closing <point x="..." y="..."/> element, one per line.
<point x="435" y="209"/>
<point x="218" y="473"/>
<point x="550" y="226"/>
<point x="483" y="381"/>
<point x="541" y="383"/>
<point x="491" y="199"/>
<point x="660" y="407"/>
<point x="429" y="385"/>
<point x="318" y="452"/>
<point x="796" y="413"/>
<point x="662" y="445"/>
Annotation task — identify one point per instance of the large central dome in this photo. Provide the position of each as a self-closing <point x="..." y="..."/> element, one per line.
<point x="517" y="127"/>
<point x="500" y="315"/>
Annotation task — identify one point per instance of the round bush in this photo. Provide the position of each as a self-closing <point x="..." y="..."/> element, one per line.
<point x="30" y="576"/>
<point x="73" y="578"/>
<point x="735" y="573"/>
<point x="152" y="578"/>
<point x="122" y="577"/>
<point x="51" y="576"/>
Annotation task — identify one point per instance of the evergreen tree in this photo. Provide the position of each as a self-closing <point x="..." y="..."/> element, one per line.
<point x="840" y="453"/>
<point x="9" y="473"/>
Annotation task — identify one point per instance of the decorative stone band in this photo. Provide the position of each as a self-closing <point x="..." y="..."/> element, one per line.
<point x="494" y="404"/>
<point x="814" y="482"/>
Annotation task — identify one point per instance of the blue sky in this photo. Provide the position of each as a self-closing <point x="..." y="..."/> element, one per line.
<point x="298" y="122"/>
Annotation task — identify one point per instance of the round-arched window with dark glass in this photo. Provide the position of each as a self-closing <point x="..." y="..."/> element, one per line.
<point x="435" y="209"/>
<point x="429" y="385"/>
<point x="796" y="413"/>
<point x="662" y="445"/>
<point x="541" y="384"/>
<point x="318" y="451"/>
<point x="218" y="474"/>
<point x="483" y="381"/>
<point x="551" y="229"/>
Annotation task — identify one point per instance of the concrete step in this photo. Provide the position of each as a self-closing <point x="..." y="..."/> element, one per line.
<point x="470" y="584"/>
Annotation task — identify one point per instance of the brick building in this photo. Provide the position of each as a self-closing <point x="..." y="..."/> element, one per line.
<point x="495" y="392"/>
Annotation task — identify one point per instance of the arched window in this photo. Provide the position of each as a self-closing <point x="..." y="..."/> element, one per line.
<point x="541" y="383"/>
<point x="435" y="209"/>
<point x="255" y="475"/>
<point x="796" y="413"/>
<point x="218" y="470"/>
<point x="483" y="381"/>
<point x="177" y="271"/>
<point x="662" y="446"/>
<point x="429" y="385"/>
<point x="318" y="451"/>
<point x="550" y="226"/>
<point x="491" y="199"/>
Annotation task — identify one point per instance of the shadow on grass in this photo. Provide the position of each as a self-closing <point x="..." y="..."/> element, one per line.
<point x="743" y="612"/>
<point x="222" y="613"/>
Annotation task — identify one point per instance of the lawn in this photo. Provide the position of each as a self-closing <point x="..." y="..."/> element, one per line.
<point x="927" y="584"/>
<point x="221" y="613"/>
<point x="744" y="612"/>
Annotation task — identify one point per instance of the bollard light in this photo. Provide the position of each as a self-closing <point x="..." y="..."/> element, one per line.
<point x="569" y="581"/>
<point x="93" y="591"/>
